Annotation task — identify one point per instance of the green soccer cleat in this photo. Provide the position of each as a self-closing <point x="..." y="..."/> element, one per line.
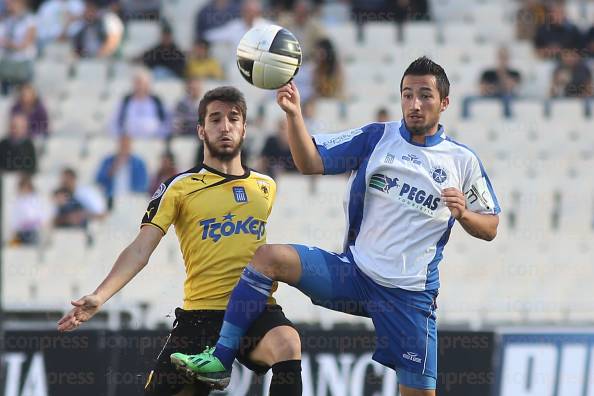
<point x="204" y="367"/>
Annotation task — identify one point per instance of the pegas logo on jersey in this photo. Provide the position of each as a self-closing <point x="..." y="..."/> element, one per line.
<point x="407" y="194"/>
<point x="215" y="230"/>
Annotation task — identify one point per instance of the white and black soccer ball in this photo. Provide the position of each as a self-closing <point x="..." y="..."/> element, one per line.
<point x="268" y="56"/>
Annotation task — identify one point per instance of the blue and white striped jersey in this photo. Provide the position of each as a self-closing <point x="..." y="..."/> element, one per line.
<point x="397" y="225"/>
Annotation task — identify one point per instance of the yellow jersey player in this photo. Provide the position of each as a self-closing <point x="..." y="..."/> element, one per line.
<point x="219" y="210"/>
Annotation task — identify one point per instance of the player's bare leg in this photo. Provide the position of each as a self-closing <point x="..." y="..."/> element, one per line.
<point x="278" y="262"/>
<point x="280" y="349"/>
<point x="406" y="391"/>
<point x="278" y="345"/>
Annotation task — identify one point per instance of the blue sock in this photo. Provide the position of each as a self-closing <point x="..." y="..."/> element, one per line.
<point x="247" y="302"/>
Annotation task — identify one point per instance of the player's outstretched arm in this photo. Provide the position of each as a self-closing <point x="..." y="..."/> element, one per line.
<point x="304" y="151"/>
<point x="132" y="259"/>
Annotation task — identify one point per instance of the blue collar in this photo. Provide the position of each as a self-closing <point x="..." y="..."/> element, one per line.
<point x="431" y="140"/>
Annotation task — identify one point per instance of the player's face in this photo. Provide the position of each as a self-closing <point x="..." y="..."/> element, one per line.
<point x="223" y="131"/>
<point x="421" y="104"/>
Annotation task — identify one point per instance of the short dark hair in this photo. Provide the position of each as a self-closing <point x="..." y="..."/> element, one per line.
<point x="224" y="94"/>
<point x="423" y="66"/>
<point x="69" y="172"/>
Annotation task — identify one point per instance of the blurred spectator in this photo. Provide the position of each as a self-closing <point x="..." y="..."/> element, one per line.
<point x="232" y="31"/>
<point x="306" y="26"/>
<point x="530" y="16"/>
<point x="17" y="45"/>
<point x="276" y="155"/>
<point x="122" y="173"/>
<point x="165" y="59"/>
<point x="141" y="113"/>
<point x="201" y="65"/>
<point x="167" y="170"/>
<point x="101" y="33"/>
<point x="382" y="115"/>
<point x="557" y="33"/>
<point x="327" y="76"/>
<point x="29" y="104"/>
<point x="89" y="198"/>
<point x="69" y="212"/>
<point x="59" y="20"/>
<point x="409" y="10"/>
<point x="29" y="213"/>
<point x="140" y="9"/>
<point x="17" y="152"/>
<point x="501" y="81"/>
<point x="572" y="78"/>
<point x="368" y="11"/>
<point x="185" y="115"/>
<point x="215" y="14"/>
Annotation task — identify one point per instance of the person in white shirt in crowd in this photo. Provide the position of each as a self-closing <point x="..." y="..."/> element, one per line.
<point x="18" y="51"/>
<point x="59" y="20"/>
<point x="141" y="114"/>
<point x="29" y="213"/>
<point x="232" y="32"/>
<point x="88" y="196"/>
<point x="101" y="33"/>
<point x="303" y="22"/>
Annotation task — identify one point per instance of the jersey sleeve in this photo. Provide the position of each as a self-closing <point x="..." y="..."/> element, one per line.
<point x="163" y="208"/>
<point x="344" y="151"/>
<point x="479" y="193"/>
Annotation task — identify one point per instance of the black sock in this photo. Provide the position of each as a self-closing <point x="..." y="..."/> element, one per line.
<point x="286" y="378"/>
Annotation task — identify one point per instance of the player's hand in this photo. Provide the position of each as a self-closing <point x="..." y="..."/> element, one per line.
<point x="455" y="201"/>
<point x="84" y="309"/>
<point x="288" y="99"/>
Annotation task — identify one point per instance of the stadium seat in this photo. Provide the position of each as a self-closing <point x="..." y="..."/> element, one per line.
<point x="170" y="91"/>
<point x="342" y="35"/>
<point x="378" y="32"/>
<point x="140" y="36"/>
<point x="50" y="75"/>
<point x="79" y="117"/>
<point x="459" y="34"/>
<point x="527" y="110"/>
<point x="567" y="109"/>
<point x="420" y="32"/>
<point x="487" y="109"/>
<point x="90" y="70"/>
<point x="185" y="148"/>
<point x="448" y="11"/>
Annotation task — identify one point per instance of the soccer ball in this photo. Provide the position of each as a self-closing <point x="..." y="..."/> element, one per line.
<point x="268" y="56"/>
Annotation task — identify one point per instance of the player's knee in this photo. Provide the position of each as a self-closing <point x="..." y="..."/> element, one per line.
<point x="287" y="346"/>
<point x="265" y="262"/>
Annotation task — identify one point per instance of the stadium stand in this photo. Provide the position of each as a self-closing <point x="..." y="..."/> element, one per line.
<point x="539" y="160"/>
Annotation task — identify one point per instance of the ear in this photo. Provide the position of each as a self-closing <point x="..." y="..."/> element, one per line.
<point x="445" y="102"/>
<point x="244" y="130"/>
<point x="201" y="132"/>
